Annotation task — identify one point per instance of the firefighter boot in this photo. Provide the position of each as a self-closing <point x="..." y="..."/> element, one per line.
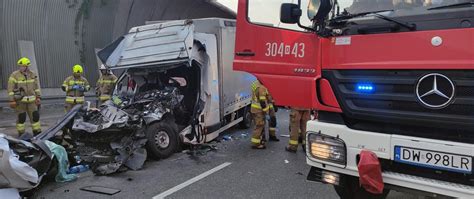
<point x="291" y="149"/>
<point x="274" y="138"/>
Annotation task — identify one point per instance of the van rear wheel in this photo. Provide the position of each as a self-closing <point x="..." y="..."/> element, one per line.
<point x="247" y="121"/>
<point x="162" y="139"/>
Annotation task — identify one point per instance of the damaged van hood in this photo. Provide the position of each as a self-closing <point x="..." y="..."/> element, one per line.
<point x="165" y="43"/>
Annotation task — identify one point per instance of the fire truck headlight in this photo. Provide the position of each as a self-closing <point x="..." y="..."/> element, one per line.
<point x="327" y="148"/>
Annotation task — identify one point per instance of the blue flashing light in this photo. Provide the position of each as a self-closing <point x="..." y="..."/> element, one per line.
<point x="365" y="88"/>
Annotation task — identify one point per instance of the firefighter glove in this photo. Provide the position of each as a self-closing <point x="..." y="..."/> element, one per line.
<point x="76" y="87"/>
<point x="267" y="117"/>
<point x="263" y="104"/>
<point x="81" y="89"/>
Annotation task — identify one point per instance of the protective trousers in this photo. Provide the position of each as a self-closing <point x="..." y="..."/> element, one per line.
<point x="259" y="119"/>
<point x="30" y="110"/>
<point x="103" y="99"/>
<point x="272" y="123"/>
<point x="298" y="120"/>
<point x="69" y="106"/>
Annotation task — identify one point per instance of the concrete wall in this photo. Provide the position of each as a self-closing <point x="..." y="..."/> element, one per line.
<point x="51" y="26"/>
<point x="63" y="34"/>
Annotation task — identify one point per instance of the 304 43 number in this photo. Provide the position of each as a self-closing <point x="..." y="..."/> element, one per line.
<point x="280" y="50"/>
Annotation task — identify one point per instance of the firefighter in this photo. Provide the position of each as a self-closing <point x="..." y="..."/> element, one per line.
<point x="105" y="84"/>
<point x="24" y="93"/>
<point x="259" y="109"/>
<point x="298" y="119"/>
<point x="75" y="86"/>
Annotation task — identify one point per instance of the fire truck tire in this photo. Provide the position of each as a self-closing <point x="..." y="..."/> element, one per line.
<point x="162" y="139"/>
<point x="350" y="189"/>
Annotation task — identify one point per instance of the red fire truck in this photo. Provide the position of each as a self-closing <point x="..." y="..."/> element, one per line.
<point x="392" y="77"/>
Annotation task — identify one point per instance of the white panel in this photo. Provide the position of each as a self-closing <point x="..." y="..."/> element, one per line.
<point x="27" y="49"/>
<point x="154" y="44"/>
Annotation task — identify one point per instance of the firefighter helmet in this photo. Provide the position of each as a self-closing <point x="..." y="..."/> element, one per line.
<point x="102" y="67"/>
<point x="24" y="62"/>
<point x="77" y="69"/>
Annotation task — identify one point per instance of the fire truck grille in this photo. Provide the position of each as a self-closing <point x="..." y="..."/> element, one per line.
<point x="386" y="101"/>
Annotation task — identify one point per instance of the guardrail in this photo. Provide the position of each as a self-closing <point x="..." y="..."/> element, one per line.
<point x="48" y="100"/>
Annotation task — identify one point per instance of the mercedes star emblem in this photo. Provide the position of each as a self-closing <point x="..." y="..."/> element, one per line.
<point x="435" y="91"/>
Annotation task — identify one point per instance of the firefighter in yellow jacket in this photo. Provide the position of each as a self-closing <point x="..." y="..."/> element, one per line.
<point x="260" y="108"/>
<point x="105" y="84"/>
<point x="24" y="94"/>
<point x="75" y="86"/>
<point x="298" y="119"/>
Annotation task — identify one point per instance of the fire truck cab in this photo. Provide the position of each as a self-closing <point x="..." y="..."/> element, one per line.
<point x="392" y="77"/>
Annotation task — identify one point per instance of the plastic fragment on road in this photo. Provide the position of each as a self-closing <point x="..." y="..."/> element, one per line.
<point x="78" y="169"/>
<point x="285" y="135"/>
<point x="101" y="190"/>
<point x="227" y="138"/>
<point x="63" y="163"/>
<point x="286" y="161"/>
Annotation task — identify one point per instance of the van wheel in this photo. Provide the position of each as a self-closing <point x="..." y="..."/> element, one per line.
<point x="247" y="122"/>
<point x="162" y="139"/>
<point x="350" y="189"/>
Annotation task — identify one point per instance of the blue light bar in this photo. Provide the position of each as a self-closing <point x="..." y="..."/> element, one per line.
<point x="365" y="88"/>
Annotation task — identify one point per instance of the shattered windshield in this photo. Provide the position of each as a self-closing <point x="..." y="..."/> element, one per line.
<point x="363" y="6"/>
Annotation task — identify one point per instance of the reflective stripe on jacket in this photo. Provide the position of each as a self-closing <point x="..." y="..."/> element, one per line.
<point x="105" y="86"/>
<point x="23" y="85"/>
<point x="71" y="81"/>
<point x="259" y="94"/>
<point x="74" y="100"/>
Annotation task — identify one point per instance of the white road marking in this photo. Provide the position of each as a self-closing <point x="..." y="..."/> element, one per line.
<point x="191" y="181"/>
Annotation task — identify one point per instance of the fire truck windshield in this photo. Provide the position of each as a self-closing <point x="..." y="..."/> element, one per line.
<point x="367" y="6"/>
<point x="351" y="17"/>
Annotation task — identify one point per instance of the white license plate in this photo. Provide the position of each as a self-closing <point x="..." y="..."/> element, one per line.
<point x="434" y="159"/>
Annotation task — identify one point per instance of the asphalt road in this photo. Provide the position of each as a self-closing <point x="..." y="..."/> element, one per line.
<point x="232" y="171"/>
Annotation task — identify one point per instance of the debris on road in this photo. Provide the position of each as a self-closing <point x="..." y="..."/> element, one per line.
<point x="101" y="190"/>
<point x="78" y="169"/>
<point x="24" y="164"/>
<point x="61" y="157"/>
<point x="286" y="161"/>
<point x="285" y="135"/>
<point x="200" y="150"/>
<point x="227" y="138"/>
<point x="10" y="193"/>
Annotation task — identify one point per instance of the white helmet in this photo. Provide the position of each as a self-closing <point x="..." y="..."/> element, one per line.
<point x="102" y="67"/>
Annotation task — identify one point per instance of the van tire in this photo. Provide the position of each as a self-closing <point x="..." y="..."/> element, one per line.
<point x="162" y="139"/>
<point x="247" y="119"/>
